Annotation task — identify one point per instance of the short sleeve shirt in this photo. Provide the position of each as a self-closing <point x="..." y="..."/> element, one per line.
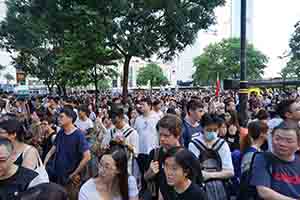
<point x="224" y="153"/>
<point x="84" y="125"/>
<point x="193" y="192"/>
<point x="283" y="177"/>
<point x="69" y="152"/>
<point x="146" y="129"/>
<point x="89" y="192"/>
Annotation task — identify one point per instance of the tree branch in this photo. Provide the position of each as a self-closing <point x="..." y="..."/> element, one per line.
<point x="121" y="50"/>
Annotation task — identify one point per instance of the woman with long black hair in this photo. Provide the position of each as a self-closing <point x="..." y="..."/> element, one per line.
<point x="112" y="181"/>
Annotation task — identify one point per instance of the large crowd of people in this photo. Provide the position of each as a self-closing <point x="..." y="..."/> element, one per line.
<point x="177" y="146"/>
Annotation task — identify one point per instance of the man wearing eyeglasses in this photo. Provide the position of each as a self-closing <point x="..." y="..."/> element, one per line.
<point x="13" y="179"/>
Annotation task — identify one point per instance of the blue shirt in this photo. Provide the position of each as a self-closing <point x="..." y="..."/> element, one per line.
<point x="284" y="177"/>
<point x="69" y="153"/>
<point x="187" y="131"/>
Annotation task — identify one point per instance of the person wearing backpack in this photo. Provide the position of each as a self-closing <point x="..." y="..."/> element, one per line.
<point x="250" y="146"/>
<point x="169" y="128"/>
<point x="276" y="175"/>
<point x="215" y="158"/>
<point x="122" y="132"/>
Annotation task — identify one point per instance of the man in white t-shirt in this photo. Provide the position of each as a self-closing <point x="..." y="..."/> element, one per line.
<point x="84" y="123"/>
<point x="157" y="109"/>
<point x="145" y="125"/>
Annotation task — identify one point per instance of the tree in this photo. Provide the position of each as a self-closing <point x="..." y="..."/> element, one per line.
<point x="60" y="42"/>
<point x="292" y="68"/>
<point x="223" y="59"/>
<point x="9" y="77"/>
<point x="26" y="32"/>
<point x="140" y="28"/>
<point x="156" y="27"/>
<point x="104" y="84"/>
<point x="151" y="73"/>
<point x="2" y="67"/>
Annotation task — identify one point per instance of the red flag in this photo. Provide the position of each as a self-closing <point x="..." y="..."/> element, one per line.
<point x="218" y="86"/>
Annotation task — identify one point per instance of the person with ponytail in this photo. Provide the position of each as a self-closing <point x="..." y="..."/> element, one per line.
<point x="257" y="136"/>
<point x="113" y="181"/>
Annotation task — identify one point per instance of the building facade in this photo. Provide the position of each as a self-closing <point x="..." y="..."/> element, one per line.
<point x="227" y="25"/>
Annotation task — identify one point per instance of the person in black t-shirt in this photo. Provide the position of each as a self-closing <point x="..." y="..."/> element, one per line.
<point x="183" y="172"/>
<point x="49" y="134"/>
<point x="13" y="179"/>
<point x="169" y="128"/>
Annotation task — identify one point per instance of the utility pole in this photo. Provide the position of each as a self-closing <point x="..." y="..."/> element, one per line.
<point x="243" y="93"/>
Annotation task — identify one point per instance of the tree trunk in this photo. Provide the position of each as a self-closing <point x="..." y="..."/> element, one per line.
<point x="64" y="90"/>
<point x="49" y="87"/>
<point x="151" y="82"/>
<point x="125" y="77"/>
<point x="59" y="90"/>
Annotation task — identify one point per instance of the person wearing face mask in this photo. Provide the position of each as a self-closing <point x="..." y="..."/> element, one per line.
<point x="215" y="157"/>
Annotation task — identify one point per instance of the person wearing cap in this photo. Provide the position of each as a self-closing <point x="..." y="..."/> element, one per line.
<point x="14" y="179"/>
<point x="71" y="154"/>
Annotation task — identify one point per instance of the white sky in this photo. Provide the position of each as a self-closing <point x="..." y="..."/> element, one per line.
<point x="273" y="24"/>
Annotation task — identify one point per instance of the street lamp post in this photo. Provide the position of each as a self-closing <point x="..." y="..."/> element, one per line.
<point x="243" y="93"/>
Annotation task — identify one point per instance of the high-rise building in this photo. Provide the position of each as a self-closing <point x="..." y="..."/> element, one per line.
<point x="227" y="25"/>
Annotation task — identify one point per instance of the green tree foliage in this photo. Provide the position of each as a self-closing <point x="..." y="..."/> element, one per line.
<point x="146" y="27"/>
<point x="60" y="41"/>
<point x="104" y="84"/>
<point x="223" y="59"/>
<point x="292" y="68"/>
<point x="2" y="67"/>
<point x="9" y="77"/>
<point x="153" y="74"/>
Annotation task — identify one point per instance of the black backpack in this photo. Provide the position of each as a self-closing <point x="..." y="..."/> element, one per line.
<point x="247" y="191"/>
<point x="216" y="189"/>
